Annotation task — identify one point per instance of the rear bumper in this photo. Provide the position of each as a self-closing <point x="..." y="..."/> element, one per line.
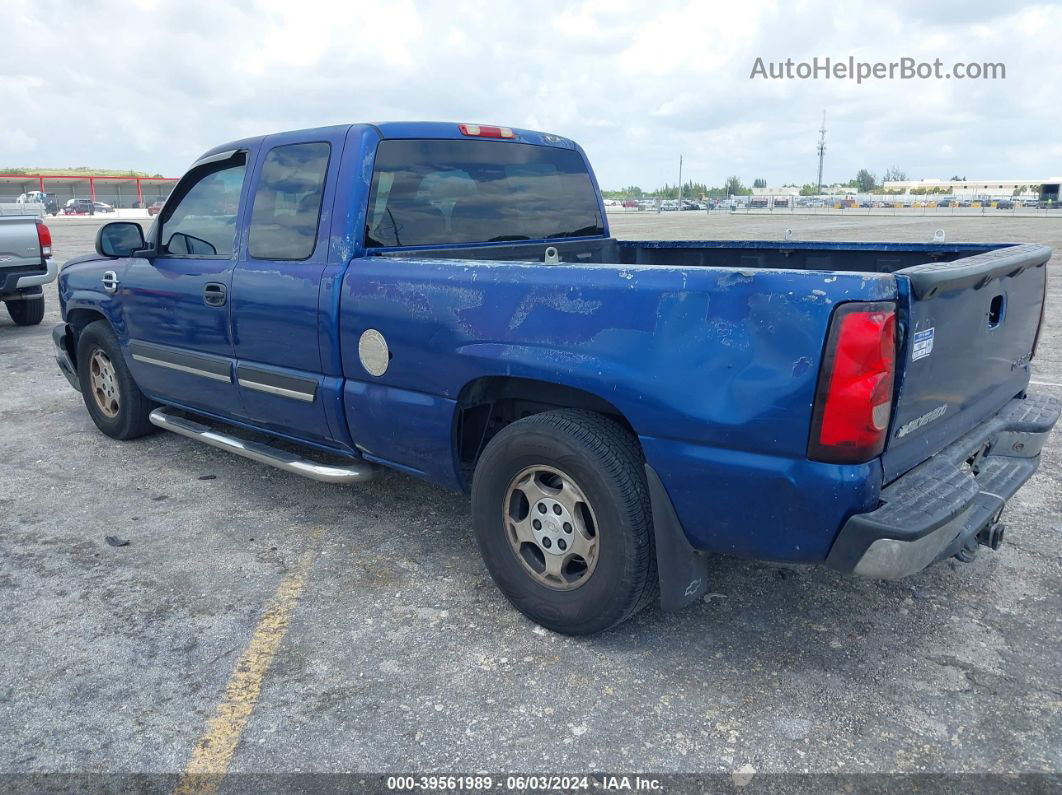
<point x="937" y="508"/>
<point x="35" y="280"/>
<point x="23" y="277"/>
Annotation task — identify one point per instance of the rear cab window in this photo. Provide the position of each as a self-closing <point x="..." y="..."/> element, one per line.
<point x="442" y="192"/>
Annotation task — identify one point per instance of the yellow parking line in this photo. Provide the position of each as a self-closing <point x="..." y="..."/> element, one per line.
<point x="213" y="753"/>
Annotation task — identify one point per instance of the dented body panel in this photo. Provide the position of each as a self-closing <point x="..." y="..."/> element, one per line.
<point x="711" y="351"/>
<point x="715" y="371"/>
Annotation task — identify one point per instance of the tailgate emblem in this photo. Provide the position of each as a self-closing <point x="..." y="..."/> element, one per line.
<point x="923" y="344"/>
<point x="925" y="419"/>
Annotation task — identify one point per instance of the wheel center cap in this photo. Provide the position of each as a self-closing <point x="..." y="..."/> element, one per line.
<point x="553" y="526"/>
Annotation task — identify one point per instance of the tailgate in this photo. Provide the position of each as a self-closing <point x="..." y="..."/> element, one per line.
<point x="18" y="241"/>
<point x="970" y="328"/>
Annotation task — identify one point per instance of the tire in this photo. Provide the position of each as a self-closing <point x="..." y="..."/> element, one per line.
<point x="568" y="454"/>
<point x="113" y="399"/>
<point x="27" y="311"/>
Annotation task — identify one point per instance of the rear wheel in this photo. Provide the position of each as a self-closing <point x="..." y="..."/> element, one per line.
<point x="27" y="311"/>
<point x="561" y="512"/>
<point x="112" y="398"/>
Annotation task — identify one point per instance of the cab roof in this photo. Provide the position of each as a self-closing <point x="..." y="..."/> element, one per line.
<point x="405" y="130"/>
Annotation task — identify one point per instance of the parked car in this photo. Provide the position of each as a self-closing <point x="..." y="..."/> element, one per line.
<point x="47" y="200"/>
<point x="156" y="206"/>
<point x="79" y="207"/>
<point x="102" y="207"/>
<point x="25" y="265"/>
<point x="1004" y="204"/>
<point x="617" y="408"/>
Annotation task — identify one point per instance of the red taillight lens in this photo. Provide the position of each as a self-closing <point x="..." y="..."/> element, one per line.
<point x="485" y="131"/>
<point x="853" y="403"/>
<point x="44" y="237"/>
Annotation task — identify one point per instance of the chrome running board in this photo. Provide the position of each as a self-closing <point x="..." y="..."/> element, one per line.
<point x="354" y="472"/>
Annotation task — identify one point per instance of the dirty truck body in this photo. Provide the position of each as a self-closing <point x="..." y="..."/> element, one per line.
<point x="446" y="300"/>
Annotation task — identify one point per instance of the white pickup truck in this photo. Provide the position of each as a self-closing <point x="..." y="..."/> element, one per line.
<point x="25" y="265"/>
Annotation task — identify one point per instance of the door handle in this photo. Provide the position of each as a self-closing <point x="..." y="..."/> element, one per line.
<point x="110" y="282"/>
<point x="214" y="294"/>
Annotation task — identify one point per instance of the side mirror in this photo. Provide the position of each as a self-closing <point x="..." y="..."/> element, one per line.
<point x="119" y="239"/>
<point x="181" y="243"/>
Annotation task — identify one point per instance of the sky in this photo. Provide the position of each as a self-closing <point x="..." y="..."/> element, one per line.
<point x="149" y="85"/>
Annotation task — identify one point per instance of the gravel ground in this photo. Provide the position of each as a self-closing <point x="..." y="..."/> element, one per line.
<point x="402" y="656"/>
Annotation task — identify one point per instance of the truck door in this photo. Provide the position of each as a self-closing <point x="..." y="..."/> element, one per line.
<point x="175" y="302"/>
<point x="277" y="285"/>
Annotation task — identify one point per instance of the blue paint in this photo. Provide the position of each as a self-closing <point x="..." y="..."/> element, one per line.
<point x="711" y="350"/>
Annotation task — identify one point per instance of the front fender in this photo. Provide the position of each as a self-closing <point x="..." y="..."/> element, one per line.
<point x="81" y="289"/>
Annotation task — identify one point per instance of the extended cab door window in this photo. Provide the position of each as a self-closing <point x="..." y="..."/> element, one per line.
<point x="276" y="303"/>
<point x="200" y="220"/>
<point x="287" y="202"/>
<point x="452" y="192"/>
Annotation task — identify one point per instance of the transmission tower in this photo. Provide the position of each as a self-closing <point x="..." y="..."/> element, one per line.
<point x="822" y="149"/>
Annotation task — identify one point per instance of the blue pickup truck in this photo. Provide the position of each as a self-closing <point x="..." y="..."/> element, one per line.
<point x="446" y="300"/>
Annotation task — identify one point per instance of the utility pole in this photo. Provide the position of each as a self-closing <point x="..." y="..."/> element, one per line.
<point x="822" y="150"/>
<point x="680" y="184"/>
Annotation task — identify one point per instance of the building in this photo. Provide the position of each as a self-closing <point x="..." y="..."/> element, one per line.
<point x="784" y="190"/>
<point x="974" y="189"/>
<point x="118" y="192"/>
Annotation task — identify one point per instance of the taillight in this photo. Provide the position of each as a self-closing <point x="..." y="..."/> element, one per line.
<point x="485" y="131"/>
<point x="44" y="237"/>
<point x="853" y="402"/>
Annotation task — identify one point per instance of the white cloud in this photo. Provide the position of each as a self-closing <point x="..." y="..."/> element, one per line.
<point x="150" y="85"/>
<point x="18" y="140"/>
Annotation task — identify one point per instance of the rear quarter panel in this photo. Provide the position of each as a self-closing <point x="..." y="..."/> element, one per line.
<point x="715" y="370"/>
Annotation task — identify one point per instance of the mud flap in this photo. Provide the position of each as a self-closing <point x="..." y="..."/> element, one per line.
<point x="683" y="571"/>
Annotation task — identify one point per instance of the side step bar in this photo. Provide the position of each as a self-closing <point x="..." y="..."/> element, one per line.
<point x="354" y="472"/>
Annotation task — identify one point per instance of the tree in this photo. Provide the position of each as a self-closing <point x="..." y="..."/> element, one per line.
<point x="865" y="181"/>
<point x="734" y="186"/>
<point x="809" y="190"/>
<point x="759" y="182"/>
<point x="894" y="174"/>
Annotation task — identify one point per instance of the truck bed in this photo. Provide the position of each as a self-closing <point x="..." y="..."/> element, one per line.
<point x="775" y="255"/>
<point x="972" y="309"/>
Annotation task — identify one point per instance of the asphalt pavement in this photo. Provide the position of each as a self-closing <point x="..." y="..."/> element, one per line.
<point x="393" y="651"/>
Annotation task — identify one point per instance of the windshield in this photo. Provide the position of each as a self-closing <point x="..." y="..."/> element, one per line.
<point x="447" y="192"/>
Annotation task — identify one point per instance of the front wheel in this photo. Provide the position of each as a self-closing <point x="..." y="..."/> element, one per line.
<point x="27" y="311"/>
<point x="112" y="398"/>
<point x="561" y="511"/>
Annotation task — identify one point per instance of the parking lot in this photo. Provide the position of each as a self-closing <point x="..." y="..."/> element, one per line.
<point x="355" y="628"/>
